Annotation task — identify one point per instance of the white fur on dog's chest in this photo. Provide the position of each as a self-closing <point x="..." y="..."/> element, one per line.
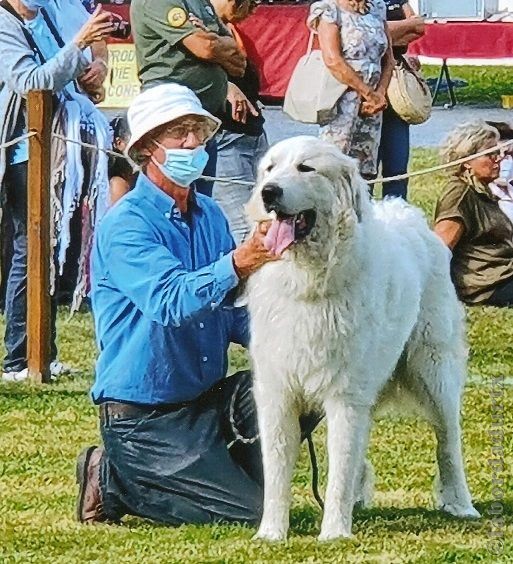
<point x="301" y="340"/>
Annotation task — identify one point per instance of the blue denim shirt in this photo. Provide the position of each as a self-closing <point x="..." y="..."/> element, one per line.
<point x="159" y="288"/>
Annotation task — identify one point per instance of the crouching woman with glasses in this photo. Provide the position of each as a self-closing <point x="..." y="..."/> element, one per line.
<point x="470" y="221"/>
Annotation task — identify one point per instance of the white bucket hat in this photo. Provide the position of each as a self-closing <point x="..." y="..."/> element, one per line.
<point x="162" y="104"/>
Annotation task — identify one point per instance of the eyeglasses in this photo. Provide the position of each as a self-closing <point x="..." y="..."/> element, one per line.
<point x="495" y="156"/>
<point x="201" y="129"/>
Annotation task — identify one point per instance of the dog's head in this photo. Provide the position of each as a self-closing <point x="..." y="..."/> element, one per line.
<point x="311" y="191"/>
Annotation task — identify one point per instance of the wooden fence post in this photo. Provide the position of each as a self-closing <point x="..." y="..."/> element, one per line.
<point x="38" y="234"/>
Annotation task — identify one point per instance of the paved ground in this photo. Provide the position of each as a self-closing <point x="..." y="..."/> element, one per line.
<point x="429" y="134"/>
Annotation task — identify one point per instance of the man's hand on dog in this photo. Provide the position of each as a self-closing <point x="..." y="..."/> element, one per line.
<point x="252" y="254"/>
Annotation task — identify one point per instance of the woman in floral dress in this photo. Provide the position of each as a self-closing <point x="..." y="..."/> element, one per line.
<point x="356" y="47"/>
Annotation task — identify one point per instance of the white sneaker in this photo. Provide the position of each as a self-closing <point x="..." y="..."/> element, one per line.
<point x="15" y="376"/>
<point x="56" y="369"/>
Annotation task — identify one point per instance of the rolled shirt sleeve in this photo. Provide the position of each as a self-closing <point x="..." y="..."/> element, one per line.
<point x="169" y="20"/>
<point x="454" y="205"/>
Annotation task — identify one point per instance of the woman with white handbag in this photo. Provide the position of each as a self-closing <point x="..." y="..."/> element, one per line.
<point x="355" y="46"/>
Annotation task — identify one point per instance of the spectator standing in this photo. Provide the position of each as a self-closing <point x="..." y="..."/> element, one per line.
<point x="242" y="141"/>
<point x="32" y="60"/>
<point x="394" y="150"/>
<point x="470" y="221"/>
<point x="356" y="48"/>
<point x="171" y="48"/>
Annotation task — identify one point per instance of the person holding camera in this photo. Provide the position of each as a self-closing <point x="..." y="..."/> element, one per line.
<point x="170" y="47"/>
<point x="34" y="57"/>
<point x="69" y="16"/>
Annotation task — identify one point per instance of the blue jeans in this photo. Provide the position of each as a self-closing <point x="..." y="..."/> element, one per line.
<point x="394" y="153"/>
<point x="187" y="463"/>
<point x="205" y="186"/>
<point x="15" y="210"/>
<point x="237" y="157"/>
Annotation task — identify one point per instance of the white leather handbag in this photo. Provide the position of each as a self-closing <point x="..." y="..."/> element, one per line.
<point x="409" y="95"/>
<point x="313" y="92"/>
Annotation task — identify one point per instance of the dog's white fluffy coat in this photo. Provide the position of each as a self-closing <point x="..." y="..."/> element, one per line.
<point x="362" y="311"/>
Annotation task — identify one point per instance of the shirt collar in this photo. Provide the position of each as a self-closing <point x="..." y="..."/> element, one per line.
<point x="478" y="186"/>
<point x="162" y="201"/>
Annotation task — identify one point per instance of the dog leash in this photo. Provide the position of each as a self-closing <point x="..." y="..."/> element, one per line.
<point x="238" y="436"/>
<point x="315" y="471"/>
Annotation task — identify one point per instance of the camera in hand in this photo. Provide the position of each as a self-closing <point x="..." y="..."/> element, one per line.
<point x="122" y="28"/>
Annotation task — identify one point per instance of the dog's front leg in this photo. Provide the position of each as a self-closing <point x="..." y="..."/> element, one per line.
<point x="348" y="430"/>
<point x="278" y="423"/>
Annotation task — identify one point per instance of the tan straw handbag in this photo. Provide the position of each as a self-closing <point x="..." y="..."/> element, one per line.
<point x="409" y="95"/>
<point x="313" y="92"/>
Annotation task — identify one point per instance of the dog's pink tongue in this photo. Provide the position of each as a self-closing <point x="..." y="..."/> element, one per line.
<point x="280" y="235"/>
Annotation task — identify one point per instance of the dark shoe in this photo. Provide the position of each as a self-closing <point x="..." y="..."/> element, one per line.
<point x="89" y="502"/>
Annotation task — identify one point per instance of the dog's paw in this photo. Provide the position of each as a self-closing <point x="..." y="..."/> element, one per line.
<point x="462" y="512"/>
<point x="271" y="535"/>
<point x="334" y="534"/>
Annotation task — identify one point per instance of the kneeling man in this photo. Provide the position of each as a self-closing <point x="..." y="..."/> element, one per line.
<point x="180" y="439"/>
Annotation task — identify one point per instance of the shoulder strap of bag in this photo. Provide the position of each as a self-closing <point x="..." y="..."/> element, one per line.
<point x="52" y="28"/>
<point x="57" y="37"/>
<point x="309" y="49"/>
<point x="310" y="42"/>
<point x="58" y="40"/>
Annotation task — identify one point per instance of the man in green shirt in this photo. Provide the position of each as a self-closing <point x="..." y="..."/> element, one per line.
<point x="170" y="48"/>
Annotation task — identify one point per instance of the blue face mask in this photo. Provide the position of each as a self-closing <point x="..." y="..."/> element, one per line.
<point x="183" y="166"/>
<point x="34" y="5"/>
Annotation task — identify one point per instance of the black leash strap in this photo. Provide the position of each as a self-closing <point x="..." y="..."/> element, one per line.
<point x="315" y="471"/>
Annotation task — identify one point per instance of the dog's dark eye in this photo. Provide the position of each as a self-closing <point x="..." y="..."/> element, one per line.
<point x="269" y="168"/>
<point x="305" y="168"/>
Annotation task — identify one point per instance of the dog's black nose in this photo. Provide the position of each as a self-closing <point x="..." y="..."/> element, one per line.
<point x="271" y="193"/>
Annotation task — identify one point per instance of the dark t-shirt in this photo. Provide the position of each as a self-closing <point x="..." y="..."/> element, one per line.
<point x="158" y="28"/>
<point x="483" y="257"/>
<point x="119" y="166"/>
<point x="395" y="13"/>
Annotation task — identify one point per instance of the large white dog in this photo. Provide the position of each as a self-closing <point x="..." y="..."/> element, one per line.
<point x="360" y="309"/>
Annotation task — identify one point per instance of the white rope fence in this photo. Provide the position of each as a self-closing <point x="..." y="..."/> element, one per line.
<point x="17" y="140"/>
<point x="501" y="147"/>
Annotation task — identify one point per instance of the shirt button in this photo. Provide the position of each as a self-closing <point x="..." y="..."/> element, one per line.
<point x="205" y="358"/>
<point x="167" y="215"/>
<point x="201" y="325"/>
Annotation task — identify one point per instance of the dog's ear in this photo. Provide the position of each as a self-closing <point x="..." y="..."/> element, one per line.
<point x="352" y="187"/>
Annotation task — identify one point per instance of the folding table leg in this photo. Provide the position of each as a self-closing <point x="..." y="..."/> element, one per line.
<point x="444" y="72"/>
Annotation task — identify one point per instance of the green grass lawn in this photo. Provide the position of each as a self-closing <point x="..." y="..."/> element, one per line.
<point x="42" y="430"/>
<point x="486" y="84"/>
